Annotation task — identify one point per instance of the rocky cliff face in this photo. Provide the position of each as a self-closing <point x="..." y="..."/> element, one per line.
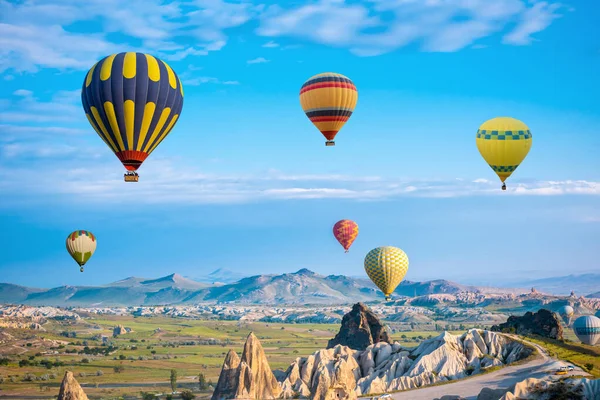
<point x="70" y="389"/>
<point x="360" y="329"/>
<point x="343" y="373"/>
<point x="543" y="323"/>
<point x="249" y="377"/>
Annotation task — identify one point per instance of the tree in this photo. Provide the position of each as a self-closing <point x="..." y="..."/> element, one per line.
<point x="187" y="395"/>
<point x="589" y="366"/>
<point x="173" y="380"/>
<point x="202" y="381"/>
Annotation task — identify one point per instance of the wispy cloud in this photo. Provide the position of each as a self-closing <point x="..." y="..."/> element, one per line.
<point x="25" y="107"/>
<point x="200" y="80"/>
<point x="161" y="182"/>
<point x="36" y="34"/>
<point x="270" y="44"/>
<point x="259" y="60"/>
<point x="438" y="25"/>
<point x="535" y="19"/>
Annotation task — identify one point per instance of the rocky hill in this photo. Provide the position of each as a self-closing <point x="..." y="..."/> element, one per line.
<point x="543" y="323"/>
<point x="346" y="373"/>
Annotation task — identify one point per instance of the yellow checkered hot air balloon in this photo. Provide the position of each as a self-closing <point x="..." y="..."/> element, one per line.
<point x="132" y="100"/>
<point x="503" y="143"/>
<point x="386" y="266"/>
<point x="328" y="100"/>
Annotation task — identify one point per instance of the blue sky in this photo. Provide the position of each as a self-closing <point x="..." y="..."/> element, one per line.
<point x="244" y="181"/>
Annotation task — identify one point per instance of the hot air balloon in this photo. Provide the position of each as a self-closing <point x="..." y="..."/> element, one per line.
<point x="566" y="312"/>
<point x="587" y="329"/>
<point x="81" y="245"/>
<point x="132" y="100"/>
<point x="503" y="143"/>
<point x="328" y="100"/>
<point x="386" y="267"/>
<point x="345" y="231"/>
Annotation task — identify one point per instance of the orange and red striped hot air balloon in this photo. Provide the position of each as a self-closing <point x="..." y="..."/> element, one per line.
<point x="345" y="231"/>
<point x="328" y="100"/>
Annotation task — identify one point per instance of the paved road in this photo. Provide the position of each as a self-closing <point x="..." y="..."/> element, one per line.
<point x="469" y="388"/>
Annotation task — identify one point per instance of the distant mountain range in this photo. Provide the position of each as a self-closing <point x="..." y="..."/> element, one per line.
<point x="301" y="287"/>
<point x="582" y="284"/>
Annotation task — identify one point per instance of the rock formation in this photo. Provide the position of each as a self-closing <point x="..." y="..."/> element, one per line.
<point x="70" y="389"/>
<point x="248" y="378"/>
<point x="226" y="386"/>
<point x="343" y="373"/>
<point x="543" y="323"/>
<point x="119" y="330"/>
<point x="360" y="329"/>
<point x="583" y="389"/>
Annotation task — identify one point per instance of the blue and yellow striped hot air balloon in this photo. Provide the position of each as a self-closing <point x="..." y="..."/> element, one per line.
<point x="328" y="100"/>
<point x="132" y="100"/>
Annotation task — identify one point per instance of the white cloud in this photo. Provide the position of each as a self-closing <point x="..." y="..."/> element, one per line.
<point x="64" y="106"/>
<point x="37" y="33"/>
<point x="379" y="26"/>
<point x="534" y="20"/>
<point x="259" y="60"/>
<point x="166" y="182"/>
<point x="270" y="44"/>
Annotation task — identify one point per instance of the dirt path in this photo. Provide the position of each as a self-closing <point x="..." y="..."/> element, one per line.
<point x="470" y="388"/>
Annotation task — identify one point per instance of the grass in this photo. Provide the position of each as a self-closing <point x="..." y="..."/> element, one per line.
<point x="575" y="353"/>
<point x="159" y="352"/>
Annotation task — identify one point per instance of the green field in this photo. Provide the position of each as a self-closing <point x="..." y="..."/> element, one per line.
<point x="573" y="351"/>
<point x="150" y="351"/>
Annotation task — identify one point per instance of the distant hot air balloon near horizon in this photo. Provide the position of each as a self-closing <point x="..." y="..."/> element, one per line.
<point x="345" y="231"/>
<point x="81" y="245"/>
<point x="386" y="266"/>
<point x="503" y="142"/>
<point x="566" y="312"/>
<point x="328" y="100"/>
<point x="132" y="100"/>
<point x="587" y="329"/>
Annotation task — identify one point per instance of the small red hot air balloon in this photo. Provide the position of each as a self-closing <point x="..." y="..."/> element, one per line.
<point x="345" y="231"/>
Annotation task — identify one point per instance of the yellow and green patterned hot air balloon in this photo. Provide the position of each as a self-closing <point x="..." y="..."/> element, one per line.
<point x="328" y="100"/>
<point x="386" y="266"/>
<point x="132" y="100"/>
<point x="503" y="143"/>
<point x="81" y="245"/>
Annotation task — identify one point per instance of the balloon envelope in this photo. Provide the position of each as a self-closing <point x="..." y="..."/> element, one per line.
<point x="386" y="266"/>
<point x="132" y="100"/>
<point x="503" y="143"/>
<point x="345" y="231"/>
<point x="566" y="312"/>
<point x="587" y="329"/>
<point x="328" y="100"/>
<point x="81" y="245"/>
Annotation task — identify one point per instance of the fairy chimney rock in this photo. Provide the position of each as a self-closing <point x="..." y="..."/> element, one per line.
<point x="70" y="389"/>
<point x="249" y="377"/>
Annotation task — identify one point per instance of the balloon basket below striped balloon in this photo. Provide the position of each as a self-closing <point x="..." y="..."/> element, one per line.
<point x="330" y="143"/>
<point x="131" y="177"/>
